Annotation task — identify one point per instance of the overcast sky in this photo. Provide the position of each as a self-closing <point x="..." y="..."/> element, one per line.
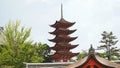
<point x="92" y="17"/>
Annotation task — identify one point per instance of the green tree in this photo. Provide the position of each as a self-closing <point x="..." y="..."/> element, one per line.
<point x="108" y="45"/>
<point x="18" y="49"/>
<point x="102" y="54"/>
<point x="13" y="38"/>
<point x="43" y="51"/>
<point x="81" y="55"/>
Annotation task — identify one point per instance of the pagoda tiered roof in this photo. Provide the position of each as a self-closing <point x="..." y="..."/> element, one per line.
<point x="63" y="46"/>
<point x="62" y="38"/>
<point x="62" y="31"/>
<point x="62" y="54"/>
<point x="62" y="24"/>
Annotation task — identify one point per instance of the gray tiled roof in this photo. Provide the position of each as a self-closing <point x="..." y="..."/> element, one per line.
<point x="99" y="59"/>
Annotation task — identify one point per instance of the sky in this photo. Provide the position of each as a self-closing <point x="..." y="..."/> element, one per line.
<point x="92" y="17"/>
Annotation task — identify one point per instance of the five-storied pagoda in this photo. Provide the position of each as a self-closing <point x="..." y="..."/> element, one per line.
<point x="62" y="40"/>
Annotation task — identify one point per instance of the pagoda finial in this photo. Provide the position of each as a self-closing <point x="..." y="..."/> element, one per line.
<point x="91" y="50"/>
<point x="61" y="11"/>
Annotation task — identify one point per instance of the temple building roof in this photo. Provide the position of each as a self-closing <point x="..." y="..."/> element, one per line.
<point x="93" y="60"/>
<point x="99" y="59"/>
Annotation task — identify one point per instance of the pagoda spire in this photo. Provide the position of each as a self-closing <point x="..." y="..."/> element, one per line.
<point x="61" y="11"/>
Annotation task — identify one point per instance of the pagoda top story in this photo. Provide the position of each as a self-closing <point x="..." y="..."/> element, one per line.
<point x="62" y="23"/>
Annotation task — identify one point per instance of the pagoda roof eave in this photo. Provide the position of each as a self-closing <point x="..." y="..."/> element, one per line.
<point x="58" y="39"/>
<point x="62" y="31"/>
<point x="62" y="23"/>
<point x="56" y="25"/>
<point x="56" y="47"/>
<point x="74" y="54"/>
<point x="58" y="55"/>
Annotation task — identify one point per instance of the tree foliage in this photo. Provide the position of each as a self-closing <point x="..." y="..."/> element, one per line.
<point x="81" y="55"/>
<point x="43" y="51"/>
<point x="108" y="45"/>
<point x="17" y="49"/>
